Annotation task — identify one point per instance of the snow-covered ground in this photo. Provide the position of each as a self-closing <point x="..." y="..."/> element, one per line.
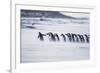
<point x="34" y="50"/>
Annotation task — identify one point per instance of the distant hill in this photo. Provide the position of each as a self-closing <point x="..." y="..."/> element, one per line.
<point x="45" y="14"/>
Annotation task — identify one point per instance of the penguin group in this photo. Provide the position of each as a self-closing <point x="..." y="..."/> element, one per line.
<point x="71" y="37"/>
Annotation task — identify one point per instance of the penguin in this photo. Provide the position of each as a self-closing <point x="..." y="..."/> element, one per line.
<point x="87" y="38"/>
<point x="40" y="36"/>
<point x="52" y="37"/>
<point x="81" y="37"/>
<point x="56" y="36"/>
<point x="75" y="38"/>
<point x="69" y="36"/>
<point x="64" y="37"/>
